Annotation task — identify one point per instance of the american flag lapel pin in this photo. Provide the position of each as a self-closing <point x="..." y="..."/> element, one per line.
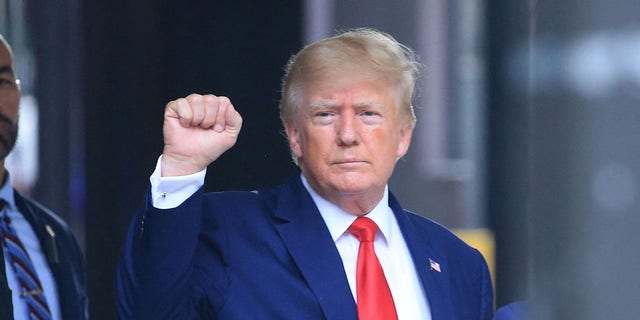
<point x="433" y="265"/>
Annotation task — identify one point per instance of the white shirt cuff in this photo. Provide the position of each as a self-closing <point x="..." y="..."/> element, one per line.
<point x="170" y="192"/>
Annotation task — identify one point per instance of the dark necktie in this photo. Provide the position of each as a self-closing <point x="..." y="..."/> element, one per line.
<point x="374" y="297"/>
<point x="19" y="259"/>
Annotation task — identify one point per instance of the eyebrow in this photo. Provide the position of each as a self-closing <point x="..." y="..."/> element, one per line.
<point x="6" y="69"/>
<point x="333" y="103"/>
<point x="323" y="104"/>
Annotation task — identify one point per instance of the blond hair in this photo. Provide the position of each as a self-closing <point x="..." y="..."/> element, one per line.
<point x="364" y="49"/>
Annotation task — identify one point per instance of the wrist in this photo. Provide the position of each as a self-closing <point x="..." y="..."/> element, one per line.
<point x="173" y="166"/>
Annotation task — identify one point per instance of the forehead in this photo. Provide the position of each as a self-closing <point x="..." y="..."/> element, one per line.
<point x="358" y="87"/>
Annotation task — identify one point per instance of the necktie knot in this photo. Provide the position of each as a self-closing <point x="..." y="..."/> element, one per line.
<point x="364" y="229"/>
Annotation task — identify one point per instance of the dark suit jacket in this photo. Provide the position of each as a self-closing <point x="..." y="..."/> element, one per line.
<point x="269" y="255"/>
<point x="64" y="258"/>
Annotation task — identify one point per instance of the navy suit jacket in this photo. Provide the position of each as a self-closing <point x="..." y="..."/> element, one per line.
<point x="269" y="255"/>
<point x="64" y="257"/>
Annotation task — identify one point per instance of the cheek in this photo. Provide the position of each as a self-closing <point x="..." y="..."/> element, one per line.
<point x="380" y="139"/>
<point x="9" y="104"/>
<point x="383" y="145"/>
<point x="311" y="149"/>
<point x="315" y="140"/>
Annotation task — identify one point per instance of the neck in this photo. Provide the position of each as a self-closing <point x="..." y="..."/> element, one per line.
<point x="357" y="204"/>
<point x="357" y="208"/>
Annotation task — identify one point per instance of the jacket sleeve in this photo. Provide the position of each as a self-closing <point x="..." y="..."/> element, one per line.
<point x="153" y="279"/>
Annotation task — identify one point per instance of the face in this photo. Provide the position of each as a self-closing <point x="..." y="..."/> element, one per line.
<point x="9" y="101"/>
<point x="347" y="135"/>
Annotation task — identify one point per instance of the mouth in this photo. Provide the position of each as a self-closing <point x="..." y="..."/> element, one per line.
<point x="348" y="162"/>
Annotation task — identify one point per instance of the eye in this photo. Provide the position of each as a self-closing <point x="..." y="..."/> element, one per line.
<point x="5" y="82"/>
<point x="370" y="117"/>
<point x="323" y="117"/>
<point x="368" y="113"/>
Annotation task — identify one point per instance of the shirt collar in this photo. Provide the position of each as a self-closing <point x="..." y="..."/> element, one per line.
<point x="6" y="193"/>
<point x="338" y="220"/>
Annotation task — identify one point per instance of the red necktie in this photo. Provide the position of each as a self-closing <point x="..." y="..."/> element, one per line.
<point x="374" y="297"/>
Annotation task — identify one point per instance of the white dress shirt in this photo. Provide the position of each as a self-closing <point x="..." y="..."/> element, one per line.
<point x="32" y="244"/>
<point x="406" y="288"/>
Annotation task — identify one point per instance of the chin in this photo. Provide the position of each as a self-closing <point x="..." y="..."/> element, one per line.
<point x="353" y="186"/>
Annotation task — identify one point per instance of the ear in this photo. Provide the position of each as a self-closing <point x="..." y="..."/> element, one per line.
<point x="293" y="136"/>
<point x="405" y="140"/>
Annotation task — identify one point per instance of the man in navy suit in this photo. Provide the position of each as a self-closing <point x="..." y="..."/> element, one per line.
<point x="49" y="244"/>
<point x="287" y="252"/>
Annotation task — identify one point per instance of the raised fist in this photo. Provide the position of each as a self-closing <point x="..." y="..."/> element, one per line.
<point x="197" y="130"/>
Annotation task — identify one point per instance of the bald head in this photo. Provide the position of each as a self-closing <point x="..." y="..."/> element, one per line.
<point x="4" y="43"/>
<point x="9" y="101"/>
<point x="7" y="68"/>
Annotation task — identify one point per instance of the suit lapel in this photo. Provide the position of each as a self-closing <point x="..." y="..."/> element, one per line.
<point x="43" y="231"/>
<point x="47" y="238"/>
<point x="435" y="283"/>
<point x="309" y="242"/>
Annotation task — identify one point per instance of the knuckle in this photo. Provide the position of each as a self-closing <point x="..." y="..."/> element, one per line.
<point x="224" y="100"/>
<point x="192" y="98"/>
<point x="209" y="99"/>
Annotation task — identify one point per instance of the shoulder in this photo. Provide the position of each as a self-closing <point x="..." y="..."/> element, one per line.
<point x="231" y="199"/>
<point x="42" y="215"/>
<point x="440" y="241"/>
<point x="268" y="197"/>
<point x="431" y="231"/>
<point x="426" y="231"/>
<point x="420" y="226"/>
<point x="238" y="208"/>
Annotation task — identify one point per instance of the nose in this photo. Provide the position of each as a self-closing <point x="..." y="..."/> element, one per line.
<point x="348" y="132"/>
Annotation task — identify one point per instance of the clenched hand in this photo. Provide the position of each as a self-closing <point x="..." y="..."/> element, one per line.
<point x="197" y="130"/>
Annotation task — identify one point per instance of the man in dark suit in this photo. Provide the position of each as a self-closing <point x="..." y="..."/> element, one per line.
<point x="46" y="249"/>
<point x="331" y="243"/>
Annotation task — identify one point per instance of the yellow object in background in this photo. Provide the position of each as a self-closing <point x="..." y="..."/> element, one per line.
<point x="483" y="240"/>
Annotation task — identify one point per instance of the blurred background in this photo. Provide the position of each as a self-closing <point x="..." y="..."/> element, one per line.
<point x="527" y="142"/>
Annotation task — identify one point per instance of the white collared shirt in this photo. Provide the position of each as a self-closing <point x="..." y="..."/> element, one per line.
<point x="32" y="244"/>
<point x="404" y="282"/>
